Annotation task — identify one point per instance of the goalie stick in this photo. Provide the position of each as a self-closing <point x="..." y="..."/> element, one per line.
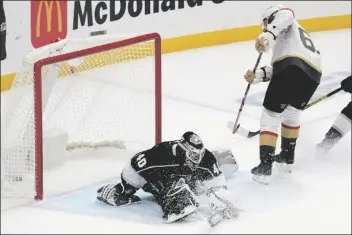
<point x="249" y="134"/>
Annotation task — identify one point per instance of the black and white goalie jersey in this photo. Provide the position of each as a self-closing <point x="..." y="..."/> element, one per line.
<point x="167" y="162"/>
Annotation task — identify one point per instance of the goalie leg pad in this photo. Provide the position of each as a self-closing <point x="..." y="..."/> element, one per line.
<point x="117" y="195"/>
<point x="179" y="202"/>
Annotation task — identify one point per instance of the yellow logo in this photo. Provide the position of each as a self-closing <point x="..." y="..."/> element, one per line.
<point x="49" y="9"/>
<point x="53" y="27"/>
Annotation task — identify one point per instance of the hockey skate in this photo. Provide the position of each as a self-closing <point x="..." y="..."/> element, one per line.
<point x="323" y="146"/>
<point x="262" y="172"/>
<point x="284" y="161"/>
<point x="332" y="137"/>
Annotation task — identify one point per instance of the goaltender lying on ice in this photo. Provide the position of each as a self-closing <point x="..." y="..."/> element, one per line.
<point x="180" y="174"/>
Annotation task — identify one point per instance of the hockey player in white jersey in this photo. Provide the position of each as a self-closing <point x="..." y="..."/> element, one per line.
<point x="294" y="75"/>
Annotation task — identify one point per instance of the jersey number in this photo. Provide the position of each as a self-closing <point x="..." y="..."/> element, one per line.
<point x="306" y="40"/>
<point x="141" y="161"/>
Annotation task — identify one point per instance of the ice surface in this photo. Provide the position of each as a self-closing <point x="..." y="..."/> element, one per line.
<point x="202" y="90"/>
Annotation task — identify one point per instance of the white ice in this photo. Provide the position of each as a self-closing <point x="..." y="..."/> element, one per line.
<point x="202" y="91"/>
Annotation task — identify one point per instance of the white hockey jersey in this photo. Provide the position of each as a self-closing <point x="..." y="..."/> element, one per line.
<point x="293" y="45"/>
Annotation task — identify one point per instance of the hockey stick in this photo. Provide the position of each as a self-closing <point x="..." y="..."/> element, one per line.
<point x="323" y="98"/>
<point x="235" y="127"/>
<point x="249" y="134"/>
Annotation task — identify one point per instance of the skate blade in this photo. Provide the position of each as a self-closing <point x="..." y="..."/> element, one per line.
<point x="263" y="179"/>
<point x="284" y="168"/>
<point x="321" y="149"/>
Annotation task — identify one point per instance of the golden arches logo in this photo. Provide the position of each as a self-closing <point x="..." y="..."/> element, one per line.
<point x="48" y="9"/>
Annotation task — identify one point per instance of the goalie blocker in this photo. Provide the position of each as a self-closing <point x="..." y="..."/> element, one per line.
<point x="176" y="173"/>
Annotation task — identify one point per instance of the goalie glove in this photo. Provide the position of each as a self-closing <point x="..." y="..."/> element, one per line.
<point x="261" y="75"/>
<point x="227" y="162"/>
<point x="346" y="84"/>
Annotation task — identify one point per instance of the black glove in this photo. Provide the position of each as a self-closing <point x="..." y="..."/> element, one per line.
<point x="346" y="84"/>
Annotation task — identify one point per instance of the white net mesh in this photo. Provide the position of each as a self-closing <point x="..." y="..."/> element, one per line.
<point x="105" y="99"/>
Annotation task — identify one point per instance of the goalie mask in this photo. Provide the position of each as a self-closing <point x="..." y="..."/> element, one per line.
<point x="269" y="15"/>
<point x="193" y="145"/>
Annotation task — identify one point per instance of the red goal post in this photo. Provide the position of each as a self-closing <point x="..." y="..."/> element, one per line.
<point x="38" y="103"/>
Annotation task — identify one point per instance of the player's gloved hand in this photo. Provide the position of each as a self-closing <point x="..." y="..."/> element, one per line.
<point x="346" y="84"/>
<point x="264" y="41"/>
<point x="261" y="75"/>
<point x="249" y="76"/>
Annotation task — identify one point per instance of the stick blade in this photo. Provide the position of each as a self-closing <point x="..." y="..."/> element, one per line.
<point x="231" y="126"/>
<point x="240" y="130"/>
<point x="252" y="133"/>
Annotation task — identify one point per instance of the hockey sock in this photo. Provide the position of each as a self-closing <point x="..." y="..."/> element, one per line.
<point x="289" y="135"/>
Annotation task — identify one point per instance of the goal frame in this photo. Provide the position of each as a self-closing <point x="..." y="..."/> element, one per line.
<point x="38" y="109"/>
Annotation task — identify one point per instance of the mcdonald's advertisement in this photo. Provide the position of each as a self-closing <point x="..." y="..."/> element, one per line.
<point x="48" y="22"/>
<point x="27" y="25"/>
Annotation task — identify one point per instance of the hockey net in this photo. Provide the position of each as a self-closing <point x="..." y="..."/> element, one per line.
<point x="100" y="91"/>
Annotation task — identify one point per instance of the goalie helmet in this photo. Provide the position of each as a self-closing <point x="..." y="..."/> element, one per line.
<point x="193" y="145"/>
<point x="269" y="15"/>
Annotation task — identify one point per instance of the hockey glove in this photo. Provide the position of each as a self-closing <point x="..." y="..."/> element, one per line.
<point x="226" y="160"/>
<point x="264" y="41"/>
<point x="346" y="84"/>
<point x="261" y="75"/>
